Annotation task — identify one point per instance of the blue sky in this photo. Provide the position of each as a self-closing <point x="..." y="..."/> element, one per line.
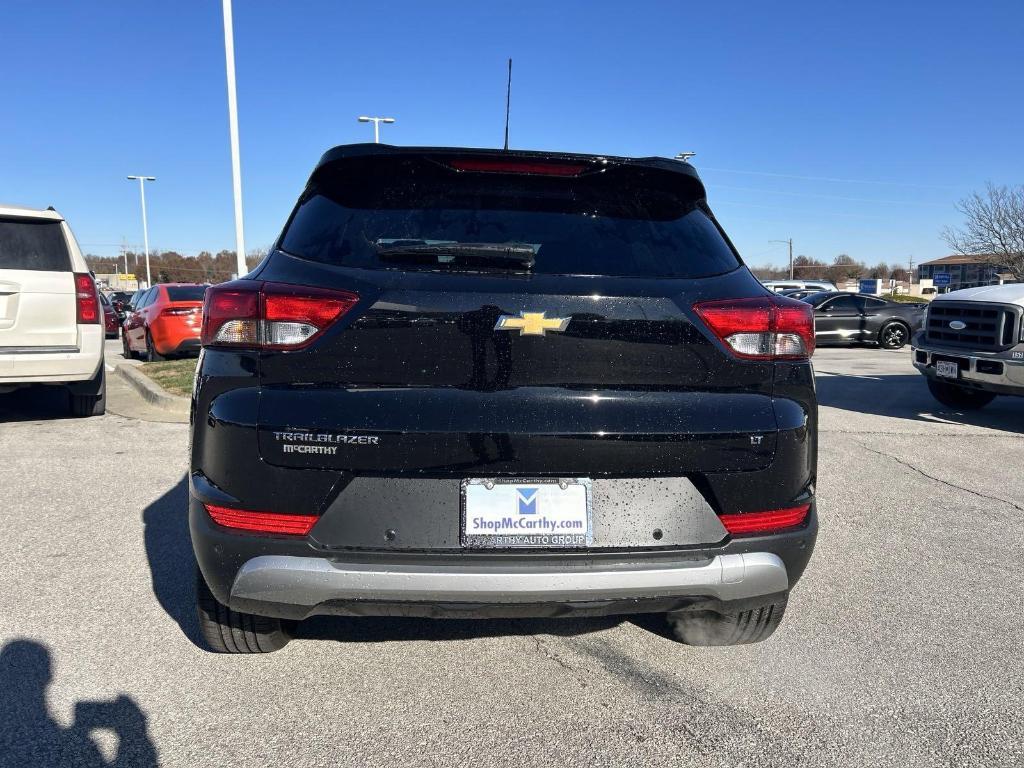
<point x="849" y="129"/>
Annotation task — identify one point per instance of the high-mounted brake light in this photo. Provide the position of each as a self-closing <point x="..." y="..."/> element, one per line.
<point x="261" y="522"/>
<point x="532" y="168"/>
<point x="87" y="301"/>
<point x="762" y="328"/>
<point x="765" y="522"/>
<point x="270" y="315"/>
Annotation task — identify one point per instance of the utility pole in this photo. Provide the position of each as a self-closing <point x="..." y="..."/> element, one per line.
<point x="145" y="229"/>
<point x="910" y="270"/>
<point x="376" y="125"/>
<point x="790" y="244"/>
<point x="236" y="168"/>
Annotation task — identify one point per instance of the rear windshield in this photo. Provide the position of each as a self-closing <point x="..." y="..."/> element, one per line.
<point x="622" y="222"/>
<point x="186" y="292"/>
<point x="36" y="244"/>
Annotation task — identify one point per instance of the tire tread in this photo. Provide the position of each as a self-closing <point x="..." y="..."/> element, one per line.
<point x="712" y="628"/>
<point x="228" y="631"/>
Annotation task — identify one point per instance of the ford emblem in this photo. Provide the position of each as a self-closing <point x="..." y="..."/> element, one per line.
<point x="957" y="325"/>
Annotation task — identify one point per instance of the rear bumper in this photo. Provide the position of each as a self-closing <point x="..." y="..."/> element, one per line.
<point x="318" y="585"/>
<point x="43" y="365"/>
<point x="172" y="336"/>
<point x="186" y="346"/>
<point x="295" y="579"/>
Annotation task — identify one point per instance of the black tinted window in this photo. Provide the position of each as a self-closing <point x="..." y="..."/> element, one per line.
<point x="33" y="244"/>
<point x="842" y="304"/>
<point x="630" y="224"/>
<point x="870" y="303"/>
<point x="186" y="292"/>
<point x="815" y="299"/>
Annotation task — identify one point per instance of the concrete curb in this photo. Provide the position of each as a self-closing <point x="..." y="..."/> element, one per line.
<point x="150" y="390"/>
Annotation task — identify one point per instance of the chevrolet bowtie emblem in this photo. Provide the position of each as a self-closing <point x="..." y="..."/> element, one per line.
<point x="531" y="323"/>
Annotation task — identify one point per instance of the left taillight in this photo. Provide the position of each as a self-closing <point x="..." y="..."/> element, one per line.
<point x="87" y="301"/>
<point x="761" y="328"/>
<point x="261" y="522"/>
<point x="270" y="315"/>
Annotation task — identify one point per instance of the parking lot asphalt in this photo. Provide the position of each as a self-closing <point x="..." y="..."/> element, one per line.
<point x="902" y="644"/>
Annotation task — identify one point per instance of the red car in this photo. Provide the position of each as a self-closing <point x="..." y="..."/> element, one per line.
<point x="166" y="321"/>
<point x="110" y="324"/>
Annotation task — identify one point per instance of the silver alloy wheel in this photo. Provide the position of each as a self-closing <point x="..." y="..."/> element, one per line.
<point x="894" y="337"/>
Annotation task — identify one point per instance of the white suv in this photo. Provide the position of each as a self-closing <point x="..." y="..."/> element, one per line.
<point x="51" y="321"/>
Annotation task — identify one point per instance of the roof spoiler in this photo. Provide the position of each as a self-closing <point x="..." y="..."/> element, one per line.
<point x="346" y="151"/>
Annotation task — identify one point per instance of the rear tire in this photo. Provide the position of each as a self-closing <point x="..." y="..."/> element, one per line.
<point x="960" y="398"/>
<point x="89" y="398"/>
<point x="126" y="351"/>
<point x="707" y="628"/>
<point x="151" y="354"/>
<point x="228" y="631"/>
<point x="893" y="336"/>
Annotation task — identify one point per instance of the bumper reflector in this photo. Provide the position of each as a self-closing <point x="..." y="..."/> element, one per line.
<point x="765" y="522"/>
<point x="261" y="522"/>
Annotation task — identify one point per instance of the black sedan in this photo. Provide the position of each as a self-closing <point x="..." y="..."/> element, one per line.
<point x="850" y="318"/>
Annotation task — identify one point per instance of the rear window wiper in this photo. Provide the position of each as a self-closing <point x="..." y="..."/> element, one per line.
<point x="491" y="255"/>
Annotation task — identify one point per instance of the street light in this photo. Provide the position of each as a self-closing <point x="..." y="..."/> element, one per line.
<point x="376" y="125"/>
<point x="685" y="156"/>
<point x="145" y="229"/>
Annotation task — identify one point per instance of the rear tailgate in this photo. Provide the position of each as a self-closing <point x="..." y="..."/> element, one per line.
<point x="420" y="381"/>
<point x="37" y="290"/>
<point x="590" y="362"/>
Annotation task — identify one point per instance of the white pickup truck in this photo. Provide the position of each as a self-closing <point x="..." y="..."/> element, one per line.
<point x="971" y="346"/>
<point x="51" y="321"/>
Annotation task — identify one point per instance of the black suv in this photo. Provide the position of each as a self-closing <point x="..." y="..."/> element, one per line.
<point x="481" y="383"/>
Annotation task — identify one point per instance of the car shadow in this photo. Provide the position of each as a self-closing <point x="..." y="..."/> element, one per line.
<point x="906" y="396"/>
<point x="35" y="403"/>
<point x="171" y="561"/>
<point x="32" y="738"/>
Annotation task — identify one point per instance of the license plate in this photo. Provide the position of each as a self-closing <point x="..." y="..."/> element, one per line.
<point x="505" y="513"/>
<point x="947" y="369"/>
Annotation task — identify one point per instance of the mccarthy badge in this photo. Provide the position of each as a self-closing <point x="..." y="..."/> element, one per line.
<point x="532" y="323"/>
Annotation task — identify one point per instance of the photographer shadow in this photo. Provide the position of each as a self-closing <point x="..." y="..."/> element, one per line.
<point x="31" y="738"/>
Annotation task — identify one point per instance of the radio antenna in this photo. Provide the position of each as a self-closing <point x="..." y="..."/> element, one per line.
<point x="508" y="100"/>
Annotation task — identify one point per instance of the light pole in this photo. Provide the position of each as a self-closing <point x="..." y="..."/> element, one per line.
<point x="376" y="125"/>
<point x="236" y="168"/>
<point x="145" y="229"/>
<point x="790" y="244"/>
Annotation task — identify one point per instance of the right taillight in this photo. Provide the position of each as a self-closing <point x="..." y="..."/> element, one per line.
<point x="244" y="313"/>
<point x="771" y="521"/>
<point x="761" y="328"/>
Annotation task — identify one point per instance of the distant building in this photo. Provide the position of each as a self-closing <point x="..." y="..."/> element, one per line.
<point x="963" y="271"/>
<point x="117" y="282"/>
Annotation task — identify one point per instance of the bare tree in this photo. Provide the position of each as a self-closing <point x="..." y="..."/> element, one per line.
<point x="880" y="271"/>
<point x="844" y="268"/>
<point x="993" y="228"/>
